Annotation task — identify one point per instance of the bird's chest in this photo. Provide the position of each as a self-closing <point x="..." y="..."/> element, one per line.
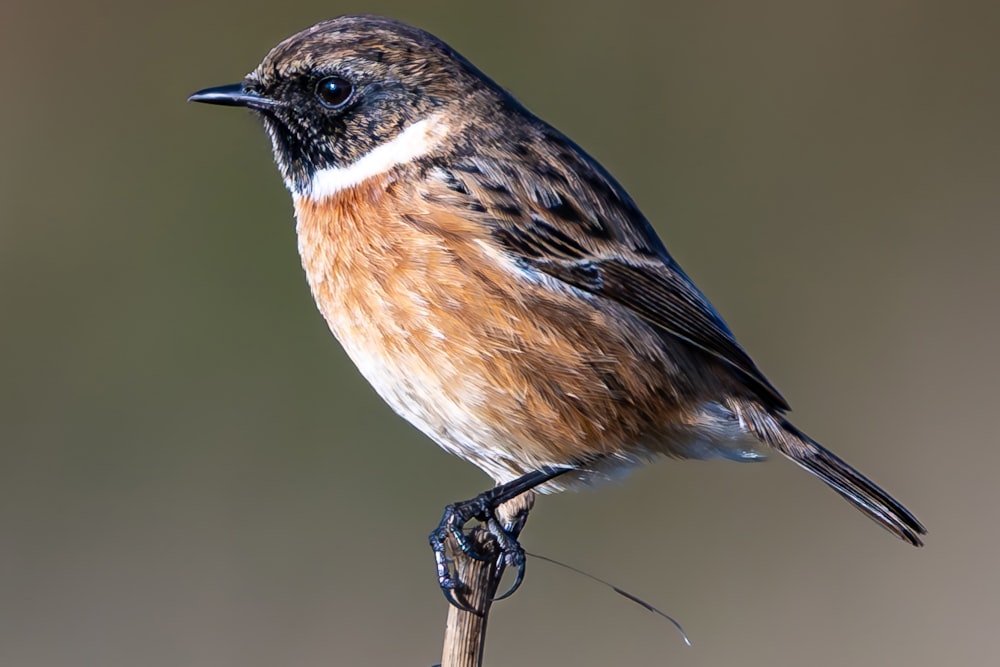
<point x="484" y="362"/>
<point x="398" y="300"/>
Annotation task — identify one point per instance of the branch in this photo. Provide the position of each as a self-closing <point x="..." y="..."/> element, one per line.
<point x="465" y="631"/>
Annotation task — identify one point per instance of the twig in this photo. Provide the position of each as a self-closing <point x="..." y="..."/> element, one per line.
<point x="465" y="632"/>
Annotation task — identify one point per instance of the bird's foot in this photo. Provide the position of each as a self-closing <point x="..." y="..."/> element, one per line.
<point x="504" y="548"/>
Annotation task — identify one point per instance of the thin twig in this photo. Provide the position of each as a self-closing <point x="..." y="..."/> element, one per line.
<point x="465" y="632"/>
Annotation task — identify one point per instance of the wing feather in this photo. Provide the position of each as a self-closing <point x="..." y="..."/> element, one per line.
<point x="575" y="223"/>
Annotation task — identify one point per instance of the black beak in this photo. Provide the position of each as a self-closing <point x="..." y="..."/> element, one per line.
<point x="233" y="95"/>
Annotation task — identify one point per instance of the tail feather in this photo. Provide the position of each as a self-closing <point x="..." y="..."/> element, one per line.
<point x="864" y="494"/>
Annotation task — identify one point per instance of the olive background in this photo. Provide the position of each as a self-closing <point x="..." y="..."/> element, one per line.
<point x="193" y="474"/>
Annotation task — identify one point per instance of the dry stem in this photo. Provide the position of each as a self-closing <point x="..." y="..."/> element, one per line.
<point x="465" y="632"/>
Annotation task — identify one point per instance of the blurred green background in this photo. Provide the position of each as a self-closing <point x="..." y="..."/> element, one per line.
<point x="192" y="474"/>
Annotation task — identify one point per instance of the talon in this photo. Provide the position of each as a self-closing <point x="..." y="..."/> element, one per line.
<point x="511" y="555"/>
<point x="448" y="584"/>
<point x="483" y="508"/>
<point x="514" y="586"/>
<point x="452" y="522"/>
<point x="453" y="600"/>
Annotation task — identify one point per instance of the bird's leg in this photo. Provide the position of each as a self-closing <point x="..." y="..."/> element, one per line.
<point x="483" y="508"/>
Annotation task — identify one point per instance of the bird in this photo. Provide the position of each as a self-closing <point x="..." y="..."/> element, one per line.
<point x="496" y="285"/>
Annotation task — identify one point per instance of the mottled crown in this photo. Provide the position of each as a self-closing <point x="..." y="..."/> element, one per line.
<point x="398" y="74"/>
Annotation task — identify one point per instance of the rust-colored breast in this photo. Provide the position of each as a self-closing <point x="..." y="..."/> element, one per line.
<point x="502" y="368"/>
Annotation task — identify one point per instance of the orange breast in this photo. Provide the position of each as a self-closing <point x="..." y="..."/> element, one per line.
<point x="496" y="365"/>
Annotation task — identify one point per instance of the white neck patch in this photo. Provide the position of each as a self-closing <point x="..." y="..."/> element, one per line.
<point x="416" y="140"/>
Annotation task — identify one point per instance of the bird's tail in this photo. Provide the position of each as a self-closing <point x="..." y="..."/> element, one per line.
<point x="864" y="494"/>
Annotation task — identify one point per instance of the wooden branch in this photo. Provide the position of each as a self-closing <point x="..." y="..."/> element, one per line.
<point x="465" y="631"/>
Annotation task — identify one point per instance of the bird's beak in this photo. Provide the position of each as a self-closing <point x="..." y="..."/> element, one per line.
<point x="233" y="95"/>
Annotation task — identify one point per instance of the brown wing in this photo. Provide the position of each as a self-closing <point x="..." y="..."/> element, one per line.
<point x="570" y="220"/>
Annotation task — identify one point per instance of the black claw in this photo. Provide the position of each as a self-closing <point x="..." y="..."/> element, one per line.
<point x="483" y="508"/>
<point x="517" y="580"/>
<point x="448" y="584"/>
<point x="453" y="600"/>
<point x="511" y="555"/>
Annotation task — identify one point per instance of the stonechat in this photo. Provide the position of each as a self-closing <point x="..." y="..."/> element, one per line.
<point x="497" y="287"/>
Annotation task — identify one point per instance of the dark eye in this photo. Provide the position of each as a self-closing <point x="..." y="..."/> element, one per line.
<point x="334" y="91"/>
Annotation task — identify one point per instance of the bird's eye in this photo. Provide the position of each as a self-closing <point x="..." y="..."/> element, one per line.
<point x="334" y="91"/>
